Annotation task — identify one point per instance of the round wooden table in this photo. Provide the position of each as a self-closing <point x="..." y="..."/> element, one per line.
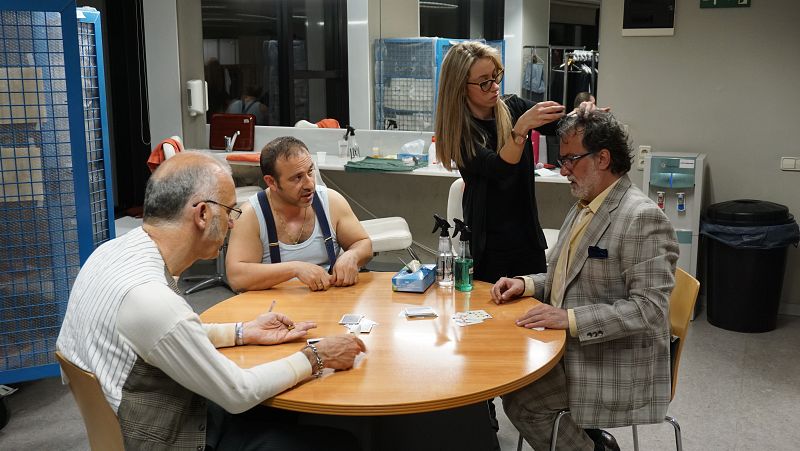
<point x="411" y="365"/>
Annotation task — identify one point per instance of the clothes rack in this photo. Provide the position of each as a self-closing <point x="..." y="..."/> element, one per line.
<point x="535" y="73"/>
<point x="581" y="56"/>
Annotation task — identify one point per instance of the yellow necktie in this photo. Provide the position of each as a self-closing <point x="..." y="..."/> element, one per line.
<point x="562" y="265"/>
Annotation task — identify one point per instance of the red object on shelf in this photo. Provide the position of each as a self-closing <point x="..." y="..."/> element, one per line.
<point x="223" y="124"/>
<point x="535" y="145"/>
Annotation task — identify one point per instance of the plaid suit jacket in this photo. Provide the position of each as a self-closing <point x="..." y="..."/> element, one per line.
<point x="617" y="367"/>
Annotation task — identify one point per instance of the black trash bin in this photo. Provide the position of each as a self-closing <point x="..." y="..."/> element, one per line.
<point x="746" y="260"/>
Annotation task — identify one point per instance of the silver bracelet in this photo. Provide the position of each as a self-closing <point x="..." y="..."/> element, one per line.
<point x="239" y="334"/>
<point x="317" y="370"/>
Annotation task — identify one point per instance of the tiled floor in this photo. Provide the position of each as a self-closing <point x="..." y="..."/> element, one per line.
<point x="735" y="392"/>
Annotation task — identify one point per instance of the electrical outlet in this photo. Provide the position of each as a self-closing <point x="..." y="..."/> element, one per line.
<point x="644" y="151"/>
<point x="790" y="164"/>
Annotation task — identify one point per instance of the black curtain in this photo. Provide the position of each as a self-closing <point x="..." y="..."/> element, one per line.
<point x="127" y="92"/>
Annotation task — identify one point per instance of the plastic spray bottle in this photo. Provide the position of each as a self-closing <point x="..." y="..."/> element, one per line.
<point x="432" y="152"/>
<point x="463" y="263"/>
<point x="444" y="260"/>
<point x="344" y="145"/>
<point x="352" y="148"/>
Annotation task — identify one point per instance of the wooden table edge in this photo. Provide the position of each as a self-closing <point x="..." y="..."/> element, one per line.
<point x="419" y="407"/>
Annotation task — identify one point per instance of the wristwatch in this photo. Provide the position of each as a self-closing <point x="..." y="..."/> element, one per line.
<point x="518" y="139"/>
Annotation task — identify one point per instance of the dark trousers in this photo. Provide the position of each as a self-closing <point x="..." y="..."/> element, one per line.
<point x="495" y="264"/>
<point x="266" y="429"/>
<point x="507" y="263"/>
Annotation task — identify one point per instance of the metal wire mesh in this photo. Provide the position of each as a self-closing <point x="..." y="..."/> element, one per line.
<point x="54" y="196"/>
<point x="95" y="151"/>
<point x="405" y="83"/>
<point x="39" y="256"/>
<point x="407" y="80"/>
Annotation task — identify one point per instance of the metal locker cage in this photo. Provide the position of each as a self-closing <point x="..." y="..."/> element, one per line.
<point x="55" y="197"/>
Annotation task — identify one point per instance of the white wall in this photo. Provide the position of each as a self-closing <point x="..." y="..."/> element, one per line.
<point x="359" y="58"/>
<point x="536" y="22"/>
<point x="512" y="33"/>
<point x="725" y="84"/>
<point x="476" y="18"/>
<point x="190" y="33"/>
<point x="163" y="71"/>
<point x="399" y="18"/>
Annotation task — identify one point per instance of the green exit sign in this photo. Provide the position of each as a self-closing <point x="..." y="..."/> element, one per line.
<point x="724" y="3"/>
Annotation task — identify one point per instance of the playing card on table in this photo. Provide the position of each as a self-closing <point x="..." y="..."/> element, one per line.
<point x="419" y="312"/>
<point x="478" y="314"/>
<point x="461" y="321"/>
<point x="470" y="317"/>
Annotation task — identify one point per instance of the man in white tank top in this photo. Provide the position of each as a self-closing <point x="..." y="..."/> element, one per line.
<point x="288" y="171"/>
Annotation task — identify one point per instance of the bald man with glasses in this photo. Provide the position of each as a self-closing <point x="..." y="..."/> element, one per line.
<point x="608" y="283"/>
<point x="156" y="362"/>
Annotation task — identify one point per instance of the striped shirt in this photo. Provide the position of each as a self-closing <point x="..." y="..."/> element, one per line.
<point x="123" y="305"/>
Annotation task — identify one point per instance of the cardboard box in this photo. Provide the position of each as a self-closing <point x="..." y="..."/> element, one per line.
<point x="414" y="282"/>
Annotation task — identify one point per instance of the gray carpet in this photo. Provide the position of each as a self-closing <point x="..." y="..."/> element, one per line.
<point x="735" y="392"/>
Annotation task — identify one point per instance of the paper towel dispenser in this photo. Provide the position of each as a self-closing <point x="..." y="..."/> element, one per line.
<point x="197" y="97"/>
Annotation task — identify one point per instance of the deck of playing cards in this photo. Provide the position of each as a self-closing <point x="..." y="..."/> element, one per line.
<point x="470" y="317"/>
<point x="420" y="312"/>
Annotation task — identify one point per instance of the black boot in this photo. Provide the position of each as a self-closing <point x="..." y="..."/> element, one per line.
<point x="603" y="440"/>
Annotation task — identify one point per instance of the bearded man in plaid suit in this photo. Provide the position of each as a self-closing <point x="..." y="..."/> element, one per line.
<point x="608" y="284"/>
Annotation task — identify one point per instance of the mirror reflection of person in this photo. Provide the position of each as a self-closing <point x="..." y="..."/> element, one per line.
<point x="585" y="100"/>
<point x="217" y="89"/>
<point x="250" y="104"/>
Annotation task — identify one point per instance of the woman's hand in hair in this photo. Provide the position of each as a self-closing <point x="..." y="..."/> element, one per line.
<point x="538" y="115"/>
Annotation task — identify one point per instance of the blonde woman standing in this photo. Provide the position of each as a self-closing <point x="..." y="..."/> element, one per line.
<point x="486" y="137"/>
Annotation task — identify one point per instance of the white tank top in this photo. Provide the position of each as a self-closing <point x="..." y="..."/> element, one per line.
<point x="311" y="250"/>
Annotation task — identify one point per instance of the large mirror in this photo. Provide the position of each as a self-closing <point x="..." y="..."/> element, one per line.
<point x="405" y="85"/>
<point x="287" y="60"/>
<point x="281" y="61"/>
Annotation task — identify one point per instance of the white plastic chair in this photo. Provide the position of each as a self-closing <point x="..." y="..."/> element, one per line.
<point x="388" y="234"/>
<point x="454" y="210"/>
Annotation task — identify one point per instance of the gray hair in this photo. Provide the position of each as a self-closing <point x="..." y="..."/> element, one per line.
<point x="182" y="179"/>
<point x="600" y="130"/>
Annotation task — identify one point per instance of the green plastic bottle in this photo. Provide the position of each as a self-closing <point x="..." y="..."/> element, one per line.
<point x="463" y="263"/>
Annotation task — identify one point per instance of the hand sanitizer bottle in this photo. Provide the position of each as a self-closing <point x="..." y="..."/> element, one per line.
<point x="463" y="263"/>
<point x="444" y="260"/>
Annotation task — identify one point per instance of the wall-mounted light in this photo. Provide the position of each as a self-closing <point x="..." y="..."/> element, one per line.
<point x="437" y="5"/>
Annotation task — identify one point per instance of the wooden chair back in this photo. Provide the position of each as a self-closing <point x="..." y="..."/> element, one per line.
<point x="102" y="425"/>
<point x="681" y="306"/>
